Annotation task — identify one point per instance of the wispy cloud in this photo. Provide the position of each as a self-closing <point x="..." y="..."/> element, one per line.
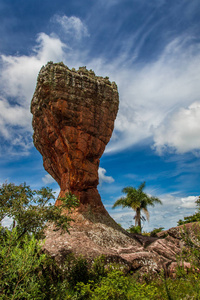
<point x="72" y="26"/>
<point x="47" y="179"/>
<point x="12" y="115"/>
<point x="152" y="93"/>
<point x="19" y="73"/>
<point x="18" y="78"/>
<point x="155" y="97"/>
<point x="103" y="177"/>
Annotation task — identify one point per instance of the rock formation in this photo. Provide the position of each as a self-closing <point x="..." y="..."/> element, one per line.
<point x="137" y="253"/>
<point x="73" y="119"/>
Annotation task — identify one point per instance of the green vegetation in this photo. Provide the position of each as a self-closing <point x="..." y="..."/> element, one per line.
<point x="155" y="231"/>
<point x="193" y="218"/>
<point x="134" y="229"/>
<point x="31" y="209"/>
<point x="137" y="230"/>
<point x="138" y="201"/>
<point x="35" y="276"/>
<point x="26" y="272"/>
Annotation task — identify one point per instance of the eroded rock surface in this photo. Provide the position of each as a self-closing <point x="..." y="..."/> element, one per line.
<point x="73" y="119"/>
<point x="142" y="254"/>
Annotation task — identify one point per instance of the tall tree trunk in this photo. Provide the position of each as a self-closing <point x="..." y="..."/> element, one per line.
<point x="138" y="219"/>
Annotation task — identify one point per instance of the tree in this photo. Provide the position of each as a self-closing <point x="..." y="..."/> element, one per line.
<point x="138" y="201"/>
<point x="30" y="210"/>
<point x="26" y="272"/>
<point x="194" y="218"/>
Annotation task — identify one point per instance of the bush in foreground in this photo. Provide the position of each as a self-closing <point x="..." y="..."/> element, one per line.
<point x="27" y="273"/>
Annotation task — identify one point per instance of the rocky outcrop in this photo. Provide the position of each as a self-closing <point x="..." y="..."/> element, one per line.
<point x="73" y="119"/>
<point x="141" y="254"/>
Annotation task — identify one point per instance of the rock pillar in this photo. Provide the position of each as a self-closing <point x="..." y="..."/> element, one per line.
<point x="73" y="119"/>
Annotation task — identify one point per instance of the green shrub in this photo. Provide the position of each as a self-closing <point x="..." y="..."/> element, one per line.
<point x="98" y="270"/>
<point x="190" y="219"/>
<point x="193" y="218"/>
<point x="134" y="229"/>
<point x="84" y="291"/>
<point x="30" y="210"/>
<point x="26" y="272"/>
<point x="76" y="270"/>
<point x="21" y="264"/>
<point x="154" y="232"/>
<point x="114" y="286"/>
<point x="117" y="286"/>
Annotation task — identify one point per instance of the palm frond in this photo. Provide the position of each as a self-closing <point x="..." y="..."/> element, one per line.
<point x="120" y="202"/>
<point x="146" y="212"/>
<point x="141" y="186"/>
<point x="128" y="190"/>
<point x="155" y="200"/>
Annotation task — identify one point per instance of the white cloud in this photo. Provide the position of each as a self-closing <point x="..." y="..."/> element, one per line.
<point x="72" y="26"/>
<point x="13" y="115"/>
<point x="48" y="179"/>
<point x="19" y="73"/>
<point x="150" y="94"/>
<point x="103" y="177"/>
<point x="154" y="97"/>
<point x="18" y="79"/>
<point x="189" y="202"/>
<point x="172" y="201"/>
<point x="180" y="131"/>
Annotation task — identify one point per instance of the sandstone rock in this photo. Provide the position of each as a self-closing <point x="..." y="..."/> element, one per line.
<point x="73" y="119"/>
<point x="137" y="253"/>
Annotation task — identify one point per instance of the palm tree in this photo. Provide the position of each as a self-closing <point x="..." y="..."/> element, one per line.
<point x="138" y="201"/>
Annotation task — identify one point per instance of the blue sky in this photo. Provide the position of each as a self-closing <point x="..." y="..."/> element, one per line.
<point x="151" y="49"/>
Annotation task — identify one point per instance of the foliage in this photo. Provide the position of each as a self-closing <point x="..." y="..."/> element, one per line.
<point x="134" y="229"/>
<point x="30" y="210"/>
<point x="28" y="273"/>
<point x="190" y="219"/>
<point x="138" y="201"/>
<point x="76" y="270"/>
<point x="191" y="249"/>
<point x="98" y="270"/>
<point x="193" y="218"/>
<point x="25" y="272"/>
<point x="155" y="231"/>
<point x="116" y="286"/>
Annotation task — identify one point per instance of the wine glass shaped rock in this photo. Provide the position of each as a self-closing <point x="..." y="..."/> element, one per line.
<point x="73" y="119"/>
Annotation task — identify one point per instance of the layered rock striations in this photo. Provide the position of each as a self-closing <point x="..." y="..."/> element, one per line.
<point x="73" y="119"/>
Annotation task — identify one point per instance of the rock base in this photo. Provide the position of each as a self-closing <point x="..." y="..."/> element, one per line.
<point x="94" y="235"/>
